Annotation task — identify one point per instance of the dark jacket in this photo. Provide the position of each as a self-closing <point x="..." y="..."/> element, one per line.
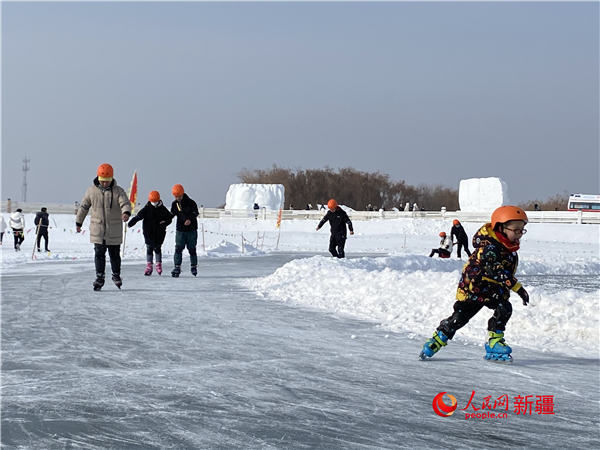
<point x="43" y="217"/>
<point x="489" y="275"/>
<point x="460" y="233"/>
<point x="337" y="221"/>
<point x="156" y="220"/>
<point x="186" y="209"/>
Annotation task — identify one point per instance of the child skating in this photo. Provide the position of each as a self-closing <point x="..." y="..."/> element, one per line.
<point x="156" y="218"/>
<point x="487" y="279"/>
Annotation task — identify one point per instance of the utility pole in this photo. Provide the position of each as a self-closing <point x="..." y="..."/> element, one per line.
<point x="25" y="170"/>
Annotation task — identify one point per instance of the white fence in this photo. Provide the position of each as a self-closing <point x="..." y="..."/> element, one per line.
<point x="264" y="214"/>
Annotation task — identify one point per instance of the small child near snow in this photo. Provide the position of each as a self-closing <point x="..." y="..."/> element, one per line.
<point x="487" y="279"/>
<point x="445" y="249"/>
<point x="156" y="218"/>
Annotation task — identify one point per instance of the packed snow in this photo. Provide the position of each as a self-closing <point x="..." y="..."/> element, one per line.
<point x="482" y="194"/>
<point x="245" y="196"/>
<point x="386" y="279"/>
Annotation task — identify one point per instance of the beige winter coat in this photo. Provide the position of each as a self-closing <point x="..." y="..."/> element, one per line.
<point x="107" y="206"/>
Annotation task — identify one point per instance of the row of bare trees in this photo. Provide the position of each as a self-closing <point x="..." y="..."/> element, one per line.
<point x="351" y="187"/>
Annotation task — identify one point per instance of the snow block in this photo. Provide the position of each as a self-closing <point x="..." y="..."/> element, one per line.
<point x="244" y="196"/>
<point x="482" y="194"/>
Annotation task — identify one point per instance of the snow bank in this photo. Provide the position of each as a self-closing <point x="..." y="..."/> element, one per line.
<point x="482" y="194"/>
<point x="244" y="196"/>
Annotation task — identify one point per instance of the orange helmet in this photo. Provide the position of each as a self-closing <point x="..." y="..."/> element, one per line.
<point x="177" y="190"/>
<point x="332" y="204"/>
<point x="456" y="222"/>
<point x="153" y="196"/>
<point x="442" y="234"/>
<point x="506" y="214"/>
<point x="105" y="172"/>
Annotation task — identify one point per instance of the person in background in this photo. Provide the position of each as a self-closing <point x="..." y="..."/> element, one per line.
<point x="17" y="224"/>
<point x="156" y="219"/>
<point x="338" y="219"/>
<point x="2" y="228"/>
<point x="186" y="235"/>
<point x="445" y="249"/>
<point x="461" y="237"/>
<point x="110" y="207"/>
<point x="256" y="208"/>
<point x="407" y="207"/>
<point x="41" y="221"/>
<point x="487" y="280"/>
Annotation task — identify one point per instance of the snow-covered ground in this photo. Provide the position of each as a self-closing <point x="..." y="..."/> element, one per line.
<point x="290" y="348"/>
<point x="396" y="286"/>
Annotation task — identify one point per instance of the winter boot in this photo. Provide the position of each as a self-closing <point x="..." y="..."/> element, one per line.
<point x="194" y="270"/>
<point x="159" y="268"/>
<point x="176" y="271"/>
<point x="496" y="348"/>
<point x="433" y="345"/>
<point x="117" y="280"/>
<point x="98" y="282"/>
<point x="148" y="270"/>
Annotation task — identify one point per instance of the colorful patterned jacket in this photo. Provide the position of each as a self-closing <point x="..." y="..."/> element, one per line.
<point x="489" y="275"/>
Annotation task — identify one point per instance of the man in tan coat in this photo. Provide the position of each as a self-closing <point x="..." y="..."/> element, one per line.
<point x="110" y="207"/>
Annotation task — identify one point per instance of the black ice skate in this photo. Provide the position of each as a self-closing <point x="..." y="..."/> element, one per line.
<point x="117" y="280"/>
<point x="176" y="271"/>
<point x="194" y="270"/>
<point x="98" y="282"/>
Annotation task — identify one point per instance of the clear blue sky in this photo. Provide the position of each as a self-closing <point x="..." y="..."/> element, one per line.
<point x="192" y="93"/>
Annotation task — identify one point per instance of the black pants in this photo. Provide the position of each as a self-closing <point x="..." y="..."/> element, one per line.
<point x="336" y="245"/>
<point x="465" y="310"/>
<point x="440" y="251"/>
<point x="19" y="237"/>
<point x="114" y="252"/>
<point x="152" y="249"/>
<point x="43" y="234"/>
<point x="459" y="246"/>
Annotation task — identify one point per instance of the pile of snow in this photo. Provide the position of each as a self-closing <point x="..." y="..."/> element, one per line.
<point x="244" y="196"/>
<point x="482" y="194"/>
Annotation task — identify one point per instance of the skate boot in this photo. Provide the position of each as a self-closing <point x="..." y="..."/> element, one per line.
<point x="159" y="268"/>
<point x="117" y="280"/>
<point x="176" y="271"/>
<point x="98" y="282"/>
<point x="433" y="345"/>
<point x="148" y="270"/>
<point x="194" y="270"/>
<point x="496" y="348"/>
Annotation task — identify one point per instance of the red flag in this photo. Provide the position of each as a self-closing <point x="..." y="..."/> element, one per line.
<point x="133" y="191"/>
<point x="279" y="218"/>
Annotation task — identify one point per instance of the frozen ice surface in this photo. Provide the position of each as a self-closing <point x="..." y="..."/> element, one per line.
<point x="207" y="363"/>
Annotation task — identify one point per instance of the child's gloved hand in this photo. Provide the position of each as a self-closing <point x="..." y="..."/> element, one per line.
<point x="524" y="295"/>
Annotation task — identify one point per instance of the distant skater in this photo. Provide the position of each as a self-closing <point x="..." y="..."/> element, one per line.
<point x="41" y="221"/>
<point x="461" y="237"/>
<point x="445" y="249"/>
<point x="156" y="219"/>
<point x="186" y="234"/>
<point x="17" y="224"/>
<point x="338" y="219"/>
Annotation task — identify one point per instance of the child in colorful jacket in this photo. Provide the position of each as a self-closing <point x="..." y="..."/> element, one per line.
<point x="156" y="218"/>
<point x="487" y="279"/>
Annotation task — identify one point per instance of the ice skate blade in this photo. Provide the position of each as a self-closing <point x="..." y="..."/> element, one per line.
<point x="423" y="356"/>
<point x="502" y="359"/>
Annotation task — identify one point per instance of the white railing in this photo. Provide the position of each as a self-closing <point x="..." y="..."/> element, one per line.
<point x="264" y="214"/>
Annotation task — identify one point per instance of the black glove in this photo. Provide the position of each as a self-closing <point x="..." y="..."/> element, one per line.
<point x="131" y="223"/>
<point x="524" y="295"/>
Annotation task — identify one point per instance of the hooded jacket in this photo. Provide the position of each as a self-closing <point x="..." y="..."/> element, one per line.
<point x="42" y="217"/>
<point x="156" y="220"/>
<point x="17" y="221"/>
<point x="183" y="210"/>
<point x="107" y="206"/>
<point x="489" y="275"/>
<point x="460" y="233"/>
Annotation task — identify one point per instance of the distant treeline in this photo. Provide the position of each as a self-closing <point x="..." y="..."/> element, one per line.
<point x="350" y="187"/>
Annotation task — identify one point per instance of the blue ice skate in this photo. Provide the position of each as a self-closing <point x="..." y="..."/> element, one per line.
<point x="433" y="345"/>
<point x="496" y="348"/>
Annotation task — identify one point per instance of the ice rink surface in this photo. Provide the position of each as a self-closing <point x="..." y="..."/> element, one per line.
<point x="207" y="363"/>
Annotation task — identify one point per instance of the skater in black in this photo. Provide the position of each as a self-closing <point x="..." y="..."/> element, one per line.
<point x="41" y="221"/>
<point x="461" y="237"/>
<point x="338" y="219"/>
<point x="156" y="218"/>
<point x="487" y="280"/>
<point x="17" y="224"/>
<point x="186" y="234"/>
